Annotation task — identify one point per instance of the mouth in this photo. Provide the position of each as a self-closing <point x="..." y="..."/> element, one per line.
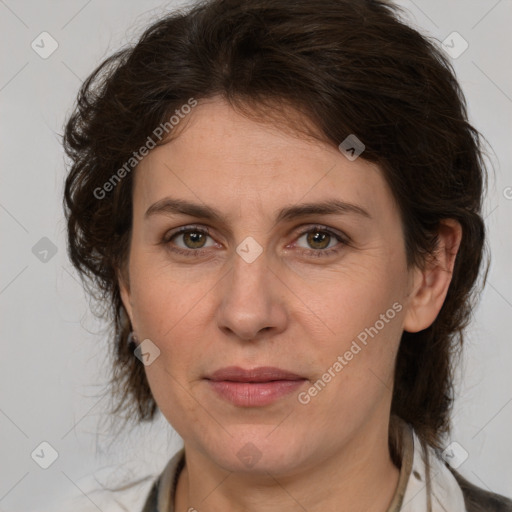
<point x="255" y="387"/>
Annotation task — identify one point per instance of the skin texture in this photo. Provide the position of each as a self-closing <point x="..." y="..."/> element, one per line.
<point x="289" y="308"/>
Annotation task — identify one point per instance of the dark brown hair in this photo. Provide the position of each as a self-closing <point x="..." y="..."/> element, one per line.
<point x="350" y="67"/>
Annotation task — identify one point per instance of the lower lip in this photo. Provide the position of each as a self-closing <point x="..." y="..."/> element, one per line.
<point x="254" y="394"/>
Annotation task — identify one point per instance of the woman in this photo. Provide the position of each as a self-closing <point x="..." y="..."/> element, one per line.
<point x="282" y="202"/>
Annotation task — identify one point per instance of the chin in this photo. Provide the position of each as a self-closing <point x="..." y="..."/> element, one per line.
<point x="261" y="450"/>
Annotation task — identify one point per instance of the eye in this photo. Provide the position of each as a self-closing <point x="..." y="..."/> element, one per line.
<point x="193" y="240"/>
<point x="322" y="241"/>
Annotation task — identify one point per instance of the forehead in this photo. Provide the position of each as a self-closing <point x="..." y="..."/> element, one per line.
<point x="220" y="154"/>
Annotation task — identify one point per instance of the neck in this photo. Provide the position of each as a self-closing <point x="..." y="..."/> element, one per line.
<point x="359" y="477"/>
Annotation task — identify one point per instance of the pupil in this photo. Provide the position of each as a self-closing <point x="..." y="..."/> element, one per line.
<point x="318" y="237"/>
<point x="195" y="238"/>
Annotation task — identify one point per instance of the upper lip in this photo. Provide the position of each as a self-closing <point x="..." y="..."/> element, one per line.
<point x="260" y="374"/>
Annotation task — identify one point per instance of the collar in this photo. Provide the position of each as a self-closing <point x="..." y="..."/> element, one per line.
<point x="434" y="489"/>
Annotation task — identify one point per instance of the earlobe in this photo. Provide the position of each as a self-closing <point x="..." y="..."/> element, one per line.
<point x="430" y="284"/>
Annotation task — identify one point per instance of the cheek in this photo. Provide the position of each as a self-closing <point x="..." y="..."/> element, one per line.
<point x="175" y="400"/>
<point x="350" y="301"/>
<point x="164" y="297"/>
<point x="355" y="381"/>
<point x="355" y="362"/>
<point x="167" y="319"/>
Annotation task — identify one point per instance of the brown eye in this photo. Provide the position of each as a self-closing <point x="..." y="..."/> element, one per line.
<point x="321" y="241"/>
<point x="194" y="239"/>
<point x="318" y="239"/>
<point x="188" y="239"/>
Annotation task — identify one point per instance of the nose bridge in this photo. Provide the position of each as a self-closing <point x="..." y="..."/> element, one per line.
<point x="250" y="302"/>
<point x="250" y="269"/>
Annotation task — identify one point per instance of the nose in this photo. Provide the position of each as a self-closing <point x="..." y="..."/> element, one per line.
<point x="252" y="300"/>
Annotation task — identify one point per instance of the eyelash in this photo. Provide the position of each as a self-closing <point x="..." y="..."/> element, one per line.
<point x="343" y="240"/>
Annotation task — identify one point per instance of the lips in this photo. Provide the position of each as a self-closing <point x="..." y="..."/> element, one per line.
<point x="261" y="374"/>
<point x="253" y="388"/>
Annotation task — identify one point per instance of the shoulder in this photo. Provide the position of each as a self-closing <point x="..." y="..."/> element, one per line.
<point x="480" y="500"/>
<point x="450" y="489"/>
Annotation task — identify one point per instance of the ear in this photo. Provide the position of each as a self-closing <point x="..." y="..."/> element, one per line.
<point x="430" y="284"/>
<point x="123" y="280"/>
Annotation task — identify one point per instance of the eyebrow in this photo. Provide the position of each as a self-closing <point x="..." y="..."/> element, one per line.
<point x="171" y="206"/>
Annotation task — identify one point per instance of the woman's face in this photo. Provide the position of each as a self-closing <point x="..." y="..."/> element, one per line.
<point x="320" y="291"/>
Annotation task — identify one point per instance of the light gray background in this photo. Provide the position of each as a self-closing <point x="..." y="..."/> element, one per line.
<point x="53" y="358"/>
